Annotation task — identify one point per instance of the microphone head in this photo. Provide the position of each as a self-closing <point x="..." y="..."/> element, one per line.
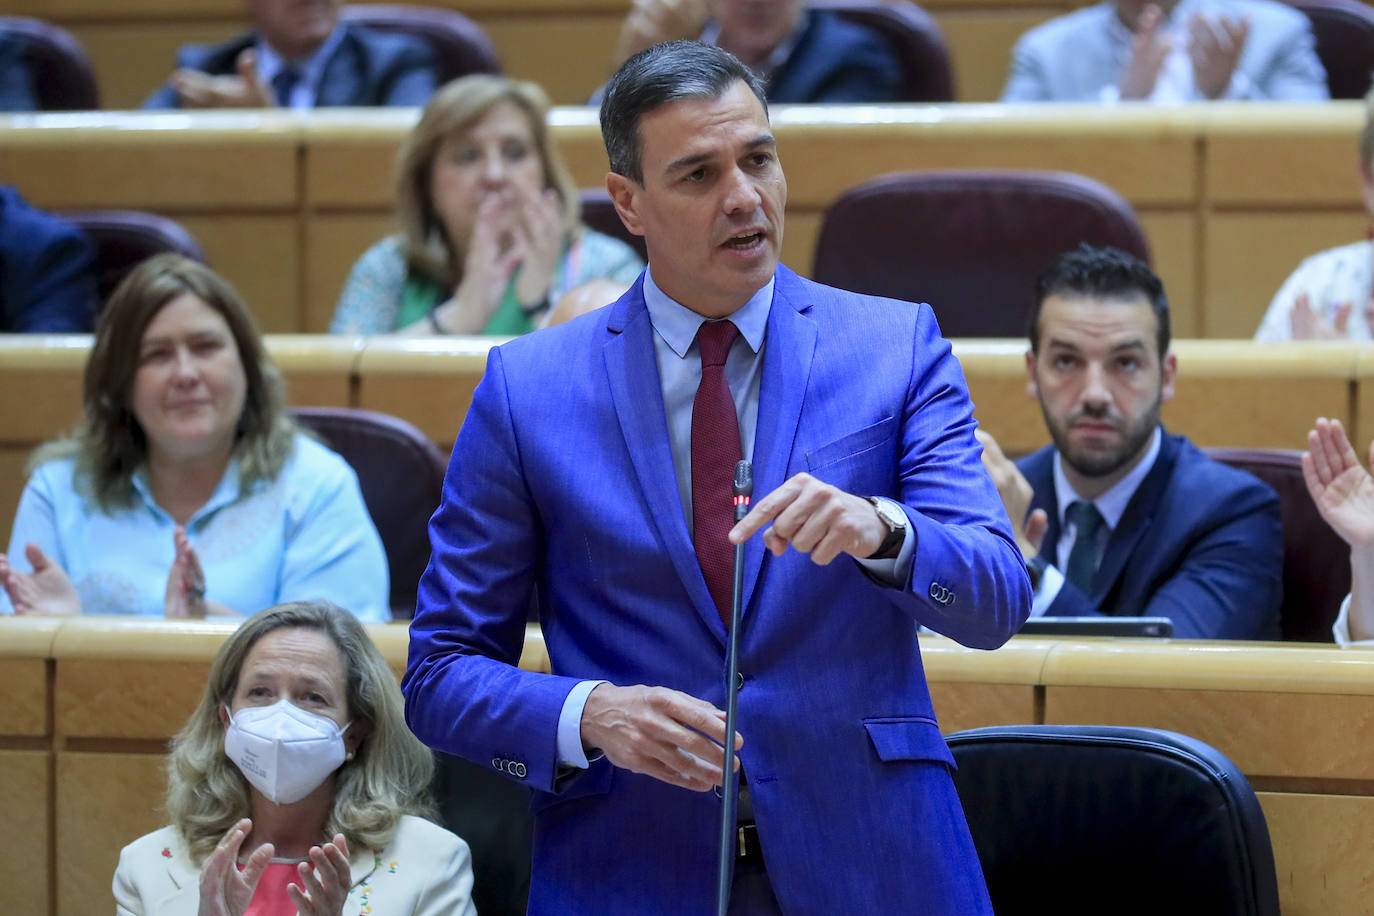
<point x="743" y="484"/>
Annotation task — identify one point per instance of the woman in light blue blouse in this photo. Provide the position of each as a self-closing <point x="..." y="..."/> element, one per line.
<point x="187" y="491"/>
<point x="491" y="240"/>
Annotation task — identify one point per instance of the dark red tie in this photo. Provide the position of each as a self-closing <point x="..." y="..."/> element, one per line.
<point x="715" y="451"/>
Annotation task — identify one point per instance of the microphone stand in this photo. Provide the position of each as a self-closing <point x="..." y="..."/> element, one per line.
<point x="742" y="487"/>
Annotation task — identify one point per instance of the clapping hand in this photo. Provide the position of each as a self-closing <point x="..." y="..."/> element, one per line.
<point x="47" y="590"/>
<point x="1342" y="489"/>
<point x="537" y="234"/>
<point x="1305" y="324"/>
<point x="1149" y="48"/>
<point x="1016" y="495"/>
<point x="185" y="595"/>
<point x="323" y="881"/>
<point x="1215" y="51"/>
<point x="225" y="890"/>
<point x="652" y="21"/>
<point x="242" y="90"/>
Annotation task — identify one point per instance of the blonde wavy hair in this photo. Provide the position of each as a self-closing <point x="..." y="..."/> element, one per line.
<point x="110" y="445"/>
<point x="453" y="109"/>
<point x="387" y="778"/>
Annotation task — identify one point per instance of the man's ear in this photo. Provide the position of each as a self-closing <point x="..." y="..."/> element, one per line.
<point x="1168" y="371"/>
<point x="625" y="195"/>
<point x="1032" y="384"/>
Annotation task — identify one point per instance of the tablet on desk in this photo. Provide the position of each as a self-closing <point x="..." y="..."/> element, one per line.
<point x="1098" y="626"/>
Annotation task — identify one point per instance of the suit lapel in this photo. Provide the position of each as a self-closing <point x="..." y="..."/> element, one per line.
<point x="789" y="346"/>
<point x="339" y="83"/>
<point x="630" y="369"/>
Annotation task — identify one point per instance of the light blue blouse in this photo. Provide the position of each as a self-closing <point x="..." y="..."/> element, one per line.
<point x="307" y="534"/>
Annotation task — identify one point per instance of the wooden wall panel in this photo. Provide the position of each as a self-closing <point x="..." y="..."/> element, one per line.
<point x="26" y="867"/>
<point x="116" y="698"/>
<point x="1173" y="238"/>
<point x="335" y="242"/>
<point x="104" y="802"/>
<point x="980" y="43"/>
<point x="261" y="255"/>
<point x="24" y="699"/>
<point x="132" y="59"/>
<point x="429" y="383"/>
<point x="1249" y="255"/>
<point x="1315" y="838"/>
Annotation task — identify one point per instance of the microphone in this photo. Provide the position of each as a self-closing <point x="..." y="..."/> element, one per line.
<point x="742" y="489"/>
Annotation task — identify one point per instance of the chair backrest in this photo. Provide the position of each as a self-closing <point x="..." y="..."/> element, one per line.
<point x="492" y="813"/>
<point x="1078" y="819"/>
<point x="915" y="37"/>
<point x="1344" y="30"/>
<point x="969" y="242"/>
<point x="598" y="212"/>
<point x="401" y="474"/>
<point x="125" y="238"/>
<point x="460" y="46"/>
<point x="62" y="74"/>
<point x="1316" y="562"/>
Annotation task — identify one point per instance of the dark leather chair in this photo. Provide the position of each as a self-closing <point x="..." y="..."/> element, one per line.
<point x="460" y="46"/>
<point x="125" y="238"/>
<point x="401" y="474"/>
<point x="62" y="74"/>
<point x="1316" y="562"/>
<point x="915" y="37"/>
<point x="969" y="242"/>
<point x="1078" y="819"/>
<point x="598" y="212"/>
<point x="1344" y="30"/>
<point x="492" y="813"/>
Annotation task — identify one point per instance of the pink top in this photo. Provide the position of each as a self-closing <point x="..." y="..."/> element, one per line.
<point x="270" y="898"/>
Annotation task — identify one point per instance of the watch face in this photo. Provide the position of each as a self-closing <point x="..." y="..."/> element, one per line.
<point x="894" y="517"/>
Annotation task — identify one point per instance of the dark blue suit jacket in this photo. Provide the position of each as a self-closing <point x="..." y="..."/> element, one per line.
<point x="47" y="271"/>
<point x="17" y="92"/>
<point x="562" y="480"/>
<point x="367" y="68"/>
<point x="837" y="61"/>
<point x="1199" y="543"/>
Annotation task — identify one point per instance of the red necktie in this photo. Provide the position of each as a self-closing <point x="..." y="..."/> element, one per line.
<point x="715" y="451"/>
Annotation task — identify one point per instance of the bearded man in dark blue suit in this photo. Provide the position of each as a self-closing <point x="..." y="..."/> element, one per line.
<point x="593" y="468"/>
<point x="1118" y="517"/>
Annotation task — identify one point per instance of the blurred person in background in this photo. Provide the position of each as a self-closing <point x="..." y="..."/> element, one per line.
<point x="186" y="490"/>
<point x="299" y="55"/>
<point x="296" y="788"/>
<point x="491" y="239"/>
<point x="1331" y="294"/>
<point x="1344" y="493"/>
<point x="47" y="271"/>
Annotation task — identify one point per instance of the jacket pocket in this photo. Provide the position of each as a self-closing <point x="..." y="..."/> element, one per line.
<point x="595" y="780"/>
<point x="908" y="738"/>
<point x="851" y="444"/>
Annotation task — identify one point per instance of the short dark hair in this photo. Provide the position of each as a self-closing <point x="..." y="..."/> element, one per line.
<point x="1106" y="273"/>
<point x="667" y="72"/>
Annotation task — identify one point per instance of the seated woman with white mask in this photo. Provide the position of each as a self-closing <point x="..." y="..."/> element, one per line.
<point x="296" y="787"/>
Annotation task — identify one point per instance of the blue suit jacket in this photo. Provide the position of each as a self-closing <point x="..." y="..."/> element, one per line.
<point x="562" y="478"/>
<point x="367" y="68"/>
<point x="17" y="91"/>
<point x="47" y="271"/>
<point x="837" y="61"/>
<point x="1199" y="543"/>
<point x="1071" y="58"/>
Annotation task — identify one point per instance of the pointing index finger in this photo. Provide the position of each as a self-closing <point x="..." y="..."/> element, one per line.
<point x="763" y="512"/>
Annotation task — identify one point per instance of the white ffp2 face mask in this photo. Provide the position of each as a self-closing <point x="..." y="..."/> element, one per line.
<point x="283" y="750"/>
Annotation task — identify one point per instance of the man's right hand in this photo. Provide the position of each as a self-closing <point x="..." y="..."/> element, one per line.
<point x="662" y="733"/>
<point x="1149" y="48"/>
<point x="652" y="21"/>
<point x="1016" y="495"/>
<point x="242" y="90"/>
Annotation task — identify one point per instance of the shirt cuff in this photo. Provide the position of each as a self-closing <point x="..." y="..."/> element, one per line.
<point x="570" y="751"/>
<point x="1341" y="628"/>
<point x="893" y="571"/>
<point x="1051" y="581"/>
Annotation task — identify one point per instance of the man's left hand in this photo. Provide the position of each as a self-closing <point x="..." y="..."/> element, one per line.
<point x="1215" y="51"/>
<point x="814" y="518"/>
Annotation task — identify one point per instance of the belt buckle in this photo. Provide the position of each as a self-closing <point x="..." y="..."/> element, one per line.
<point x="747" y="848"/>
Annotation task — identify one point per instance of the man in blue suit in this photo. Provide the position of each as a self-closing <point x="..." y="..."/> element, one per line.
<point x="299" y="55"/>
<point x="1169" y="51"/>
<point x="594" y="468"/>
<point x="47" y="271"/>
<point x="1117" y="516"/>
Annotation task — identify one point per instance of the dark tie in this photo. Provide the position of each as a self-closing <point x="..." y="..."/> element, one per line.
<point x="1087" y="522"/>
<point x="284" y="83"/>
<point x="715" y="451"/>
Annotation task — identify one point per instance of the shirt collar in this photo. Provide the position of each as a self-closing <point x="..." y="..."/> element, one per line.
<point x="311" y="67"/>
<point x="1111" y="504"/>
<point x="678" y="325"/>
<point x="226" y="492"/>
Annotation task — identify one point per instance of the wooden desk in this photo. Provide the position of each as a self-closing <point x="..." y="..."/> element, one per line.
<point x="285" y="202"/>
